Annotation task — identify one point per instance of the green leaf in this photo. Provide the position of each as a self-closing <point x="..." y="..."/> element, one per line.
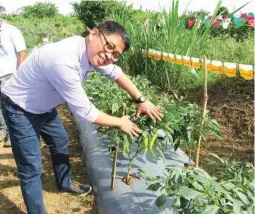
<point x="226" y="193"/>
<point x="153" y="153"/>
<point x="176" y="145"/>
<point x="161" y="154"/>
<point x="177" y="202"/>
<point x="250" y="210"/>
<point x="154" y="187"/>
<point x="154" y="99"/>
<point x="217" y="157"/>
<point x="243" y="197"/>
<point x="203" y="136"/>
<point x="189" y="193"/>
<point x="250" y="194"/>
<point x="142" y="171"/>
<point x="197" y="186"/>
<point x="161" y="200"/>
<point x="228" y="185"/>
<point x="212" y="209"/>
<point x="237" y="206"/>
<point x="126" y="145"/>
<point x="115" y="107"/>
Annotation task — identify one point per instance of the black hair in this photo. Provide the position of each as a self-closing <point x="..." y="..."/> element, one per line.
<point x="112" y="27"/>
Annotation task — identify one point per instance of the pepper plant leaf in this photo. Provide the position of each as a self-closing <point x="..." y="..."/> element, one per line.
<point x="161" y="200"/>
<point x="189" y="193"/>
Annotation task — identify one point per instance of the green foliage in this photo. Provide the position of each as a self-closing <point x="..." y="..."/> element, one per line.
<point x="93" y="12"/>
<point x="173" y="37"/>
<point x="197" y="192"/>
<point x="39" y="10"/>
<point x="223" y="11"/>
<point x="181" y="122"/>
<point x="241" y="34"/>
<point x="55" y="28"/>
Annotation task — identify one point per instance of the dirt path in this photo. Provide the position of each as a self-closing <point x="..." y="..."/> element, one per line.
<point x="11" y="201"/>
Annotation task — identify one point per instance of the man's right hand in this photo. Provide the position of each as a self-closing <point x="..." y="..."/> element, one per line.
<point x="129" y="127"/>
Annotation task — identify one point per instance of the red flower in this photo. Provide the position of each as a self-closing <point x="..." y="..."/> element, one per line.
<point x="191" y="23"/>
<point x="250" y="20"/>
<point x="217" y="21"/>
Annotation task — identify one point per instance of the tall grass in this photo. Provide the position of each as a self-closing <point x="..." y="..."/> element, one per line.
<point x="173" y="37"/>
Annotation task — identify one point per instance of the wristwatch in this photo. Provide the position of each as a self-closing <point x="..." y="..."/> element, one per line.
<point x="141" y="99"/>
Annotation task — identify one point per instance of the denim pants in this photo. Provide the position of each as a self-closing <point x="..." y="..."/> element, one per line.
<point x="25" y="129"/>
<point x="3" y="80"/>
<point x="3" y="127"/>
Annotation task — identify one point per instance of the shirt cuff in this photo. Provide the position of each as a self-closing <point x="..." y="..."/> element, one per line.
<point x="91" y="116"/>
<point x="117" y="73"/>
<point x="19" y="49"/>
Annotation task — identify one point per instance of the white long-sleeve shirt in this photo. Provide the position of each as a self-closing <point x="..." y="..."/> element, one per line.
<point x="53" y="75"/>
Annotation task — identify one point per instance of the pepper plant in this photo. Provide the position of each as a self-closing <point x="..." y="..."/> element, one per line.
<point x="195" y="191"/>
<point x="181" y="122"/>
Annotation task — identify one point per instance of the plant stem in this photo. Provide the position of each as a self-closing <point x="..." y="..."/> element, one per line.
<point x="129" y="169"/>
<point x="116" y="156"/>
<point x="204" y="112"/>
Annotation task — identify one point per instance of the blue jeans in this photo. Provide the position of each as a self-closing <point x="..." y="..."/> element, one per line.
<point x="3" y="127"/>
<point x="25" y="129"/>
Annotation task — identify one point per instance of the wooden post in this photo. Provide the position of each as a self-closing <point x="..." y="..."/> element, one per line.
<point x="116" y="155"/>
<point x="204" y="111"/>
<point x="114" y="165"/>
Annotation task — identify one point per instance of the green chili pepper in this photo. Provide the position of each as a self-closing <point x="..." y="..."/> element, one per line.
<point x="146" y="142"/>
<point x="154" y="138"/>
<point x="152" y="152"/>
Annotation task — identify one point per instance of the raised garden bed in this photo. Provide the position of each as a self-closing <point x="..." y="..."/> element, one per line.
<point x="134" y="198"/>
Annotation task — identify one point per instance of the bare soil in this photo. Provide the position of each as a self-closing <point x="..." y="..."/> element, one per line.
<point x="231" y="103"/>
<point x="11" y="201"/>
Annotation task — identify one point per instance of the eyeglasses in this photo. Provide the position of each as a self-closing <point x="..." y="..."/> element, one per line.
<point x="110" y="49"/>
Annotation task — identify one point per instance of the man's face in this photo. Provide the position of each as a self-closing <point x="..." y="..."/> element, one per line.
<point x="103" y="49"/>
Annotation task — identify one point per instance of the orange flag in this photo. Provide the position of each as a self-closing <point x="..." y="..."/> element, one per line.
<point x="158" y="55"/>
<point x="171" y="58"/>
<point x="230" y="69"/>
<point x="217" y="66"/>
<point x="208" y="64"/>
<point x="179" y="59"/>
<point x="195" y="62"/>
<point x="165" y="56"/>
<point x="186" y="61"/>
<point x="151" y="53"/>
<point x="246" y="71"/>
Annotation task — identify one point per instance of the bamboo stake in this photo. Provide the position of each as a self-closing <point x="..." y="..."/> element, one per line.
<point x="204" y="111"/>
<point x="114" y="165"/>
<point x="116" y="156"/>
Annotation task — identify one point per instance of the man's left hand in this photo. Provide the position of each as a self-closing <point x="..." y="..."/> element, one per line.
<point x="148" y="108"/>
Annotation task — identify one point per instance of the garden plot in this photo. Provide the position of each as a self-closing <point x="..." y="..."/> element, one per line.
<point x="134" y="198"/>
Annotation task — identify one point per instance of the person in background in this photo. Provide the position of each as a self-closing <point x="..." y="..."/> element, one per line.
<point x="12" y="54"/>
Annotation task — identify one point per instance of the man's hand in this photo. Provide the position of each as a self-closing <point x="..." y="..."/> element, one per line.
<point x="129" y="127"/>
<point x="148" y="108"/>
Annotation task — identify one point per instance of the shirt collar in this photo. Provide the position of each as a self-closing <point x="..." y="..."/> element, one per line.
<point x="84" y="61"/>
